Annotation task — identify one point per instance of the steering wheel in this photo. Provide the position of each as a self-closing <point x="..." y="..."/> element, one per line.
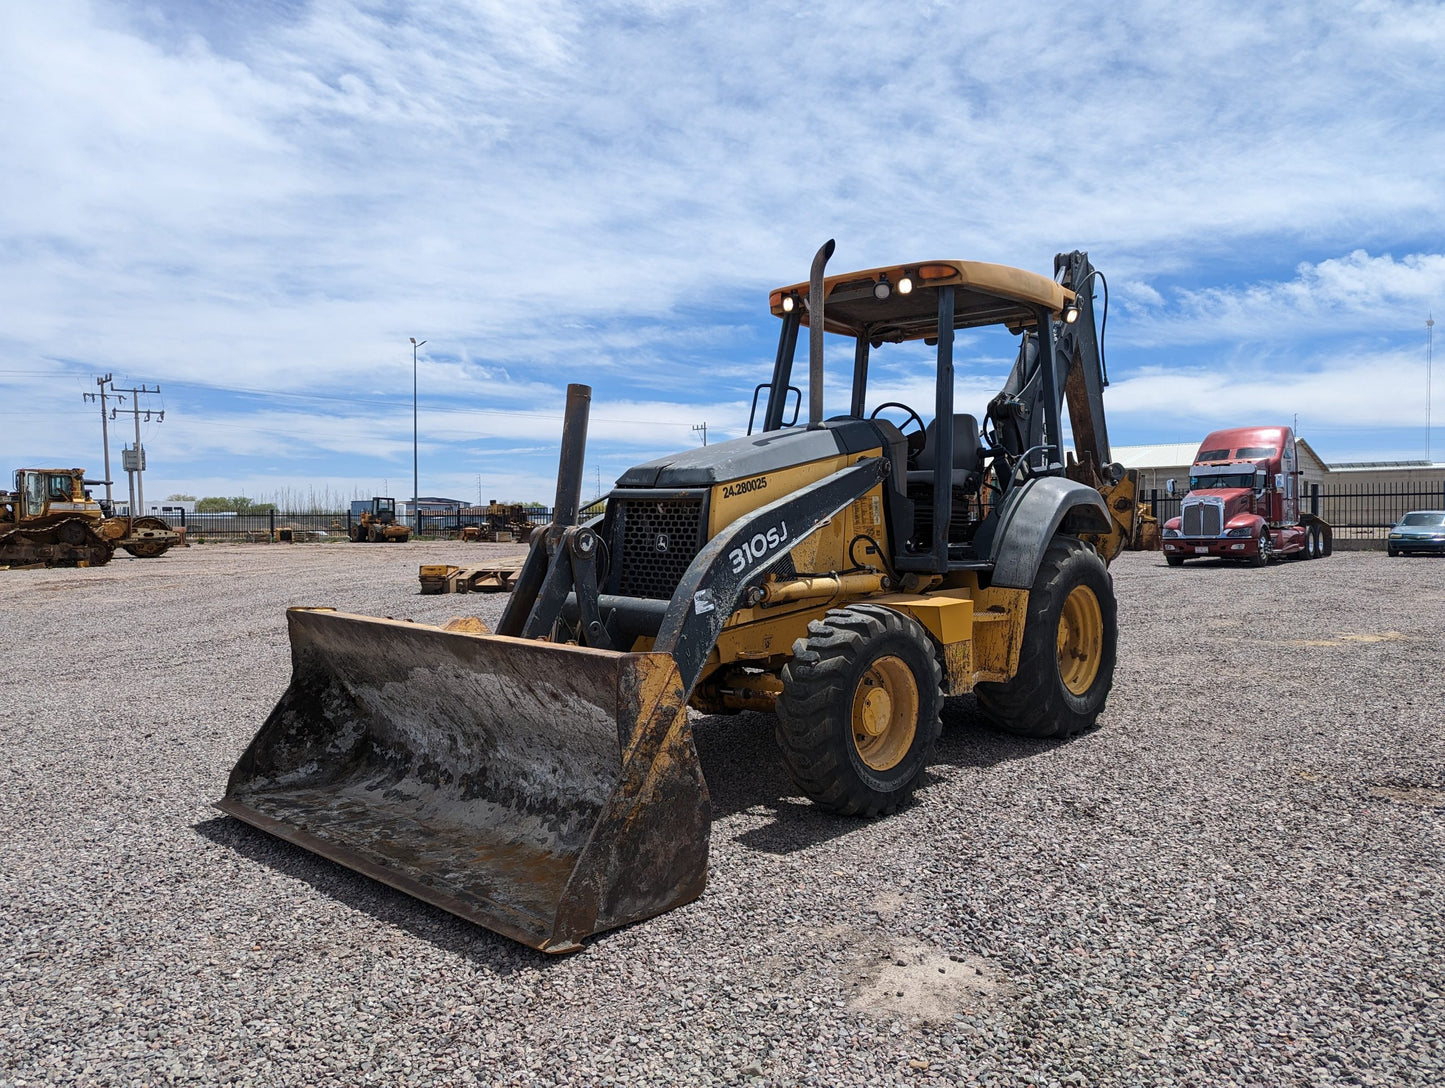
<point x="916" y="438"/>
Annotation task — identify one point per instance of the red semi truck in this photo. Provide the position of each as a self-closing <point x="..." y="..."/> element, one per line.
<point x="1243" y="502"/>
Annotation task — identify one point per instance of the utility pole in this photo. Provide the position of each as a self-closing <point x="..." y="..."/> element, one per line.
<point x="703" y="428"/>
<point x="134" y="460"/>
<point x="102" y="397"/>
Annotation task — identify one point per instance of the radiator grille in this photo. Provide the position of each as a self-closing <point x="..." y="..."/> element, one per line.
<point x="648" y="570"/>
<point x="1203" y="519"/>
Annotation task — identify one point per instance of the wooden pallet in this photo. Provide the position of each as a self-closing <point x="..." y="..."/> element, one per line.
<point x="444" y="578"/>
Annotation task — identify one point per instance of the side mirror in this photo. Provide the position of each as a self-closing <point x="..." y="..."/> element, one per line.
<point x="1169" y="486"/>
<point x="1279" y="481"/>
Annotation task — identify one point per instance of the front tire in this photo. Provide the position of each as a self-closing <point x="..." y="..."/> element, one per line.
<point x="859" y="713"/>
<point x="1265" y="550"/>
<point x="1066" y="662"/>
<point x="1174" y="560"/>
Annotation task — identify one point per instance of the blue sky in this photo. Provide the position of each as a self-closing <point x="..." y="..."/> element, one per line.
<point x="256" y="205"/>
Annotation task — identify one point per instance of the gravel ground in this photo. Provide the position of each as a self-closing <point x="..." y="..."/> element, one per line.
<point x="1237" y="879"/>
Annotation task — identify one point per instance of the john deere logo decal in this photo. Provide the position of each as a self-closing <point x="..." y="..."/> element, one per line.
<point x="661" y="542"/>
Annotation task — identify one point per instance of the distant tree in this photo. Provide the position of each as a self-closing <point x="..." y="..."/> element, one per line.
<point x="181" y="498"/>
<point x="238" y="504"/>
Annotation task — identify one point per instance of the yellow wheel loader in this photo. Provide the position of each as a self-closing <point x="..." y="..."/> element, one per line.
<point x="379" y="525"/>
<point x="847" y="574"/>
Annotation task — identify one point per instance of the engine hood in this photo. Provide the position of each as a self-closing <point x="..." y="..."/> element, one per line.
<point x="755" y="455"/>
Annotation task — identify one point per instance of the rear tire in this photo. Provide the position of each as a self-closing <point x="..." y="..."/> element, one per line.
<point x="859" y="713"/>
<point x="1066" y="662"/>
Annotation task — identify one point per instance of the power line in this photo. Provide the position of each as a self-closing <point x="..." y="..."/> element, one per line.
<point x="444" y="409"/>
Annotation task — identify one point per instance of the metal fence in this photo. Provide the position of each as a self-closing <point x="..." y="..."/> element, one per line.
<point x="1362" y="506"/>
<point x="321" y="527"/>
<point x="1365" y="507"/>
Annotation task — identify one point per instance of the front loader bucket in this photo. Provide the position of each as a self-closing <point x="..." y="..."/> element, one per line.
<point x="547" y="792"/>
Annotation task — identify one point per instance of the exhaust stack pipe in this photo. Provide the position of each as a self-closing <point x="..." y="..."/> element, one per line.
<point x="815" y="336"/>
<point x="565" y="510"/>
<point x="568" y="504"/>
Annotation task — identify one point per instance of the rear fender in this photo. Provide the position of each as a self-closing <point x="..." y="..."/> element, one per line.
<point x="1030" y="518"/>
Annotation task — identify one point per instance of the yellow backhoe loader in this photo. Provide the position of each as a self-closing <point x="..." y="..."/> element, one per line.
<point x="847" y="574"/>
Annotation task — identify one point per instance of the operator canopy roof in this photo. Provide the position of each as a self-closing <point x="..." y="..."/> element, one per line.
<point x="900" y="302"/>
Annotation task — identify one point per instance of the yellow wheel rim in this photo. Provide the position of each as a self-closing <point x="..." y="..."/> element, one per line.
<point x="1081" y="639"/>
<point x="885" y="713"/>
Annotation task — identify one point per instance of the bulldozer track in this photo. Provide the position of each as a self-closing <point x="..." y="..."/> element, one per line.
<point x="69" y="543"/>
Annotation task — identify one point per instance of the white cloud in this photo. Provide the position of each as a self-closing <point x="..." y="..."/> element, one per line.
<point x="1354" y="293"/>
<point x="552" y="192"/>
<point x="1384" y="390"/>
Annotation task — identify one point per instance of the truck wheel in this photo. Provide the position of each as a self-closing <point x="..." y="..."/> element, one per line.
<point x="859" y="711"/>
<point x="1265" y="552"/>
<point x="1066" y="662"/>
<point x="1174" y="560"/>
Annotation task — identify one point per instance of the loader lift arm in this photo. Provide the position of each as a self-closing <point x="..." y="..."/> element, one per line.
<point x="732" y="565"/>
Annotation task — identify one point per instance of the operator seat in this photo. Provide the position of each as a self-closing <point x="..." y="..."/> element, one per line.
<point x="967" y="454"/>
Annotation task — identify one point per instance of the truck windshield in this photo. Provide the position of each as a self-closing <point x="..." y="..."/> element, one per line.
<point x="1423" y="517"/>
<point x="1228" y="479"/>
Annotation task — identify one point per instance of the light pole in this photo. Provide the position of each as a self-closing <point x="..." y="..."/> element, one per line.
<point x="1429" y="351"/>
<point x="415" y="493"/>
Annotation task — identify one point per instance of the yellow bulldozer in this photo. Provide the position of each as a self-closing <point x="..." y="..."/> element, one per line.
<point x="846" y="574"/>
<point x="50" y="520"/>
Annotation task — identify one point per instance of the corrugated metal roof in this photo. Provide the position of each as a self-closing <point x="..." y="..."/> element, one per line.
<point x="1345" y="466"/>
<point x="1159" y="455"/>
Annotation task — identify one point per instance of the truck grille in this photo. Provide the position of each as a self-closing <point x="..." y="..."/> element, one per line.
<point x="1203" y="519"/>
<point x="645" y="569"/>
